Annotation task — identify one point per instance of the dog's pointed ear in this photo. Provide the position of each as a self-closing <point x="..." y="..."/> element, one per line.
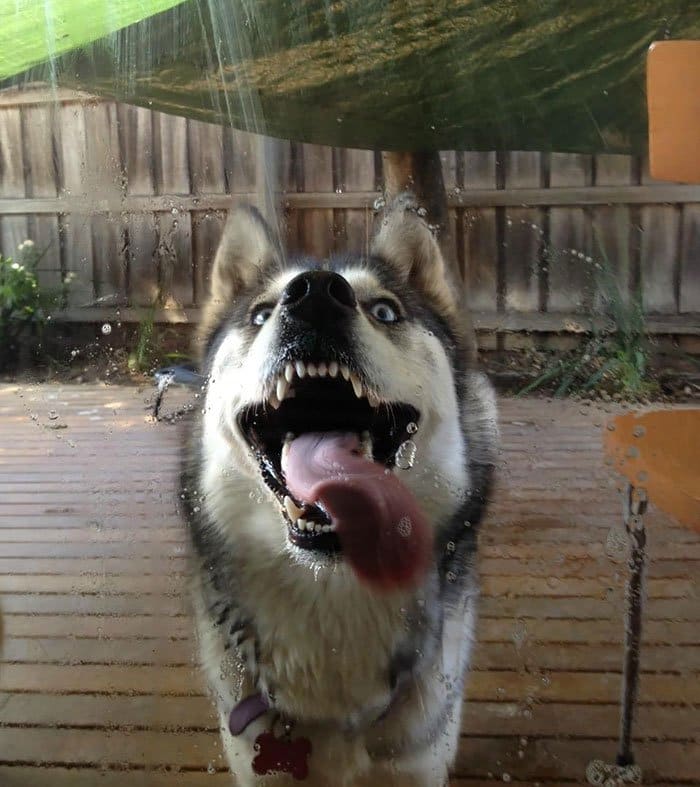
<point x="405" y="242"/>
<point x="247" y="248"/>
<point x="246" y="253"/>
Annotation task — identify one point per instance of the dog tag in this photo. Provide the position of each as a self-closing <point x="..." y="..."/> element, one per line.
<point x="283" y="754"/>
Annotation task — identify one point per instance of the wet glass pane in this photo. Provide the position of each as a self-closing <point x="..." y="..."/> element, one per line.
<point x="349" y="379"/>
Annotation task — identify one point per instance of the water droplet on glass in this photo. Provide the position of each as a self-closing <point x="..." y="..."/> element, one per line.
<point x="406" y="455"/>
<point x="210" y="768"/>
<point x="639" y="431"/>
<point x="616" y="544"/>
<point x="404" y="527"/>
<point x="412" y="428"/>
<point x="422" y="212"/>
<point x="53" y="415"/>
<point x="378" y="203"/>
<point x="106" y="329"/>
<point x="450" y="546"/>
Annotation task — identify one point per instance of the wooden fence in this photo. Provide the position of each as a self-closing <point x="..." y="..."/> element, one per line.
<point x="132" y="202"/>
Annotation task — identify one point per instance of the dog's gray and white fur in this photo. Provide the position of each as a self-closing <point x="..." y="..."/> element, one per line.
<point x="329" y="653"/>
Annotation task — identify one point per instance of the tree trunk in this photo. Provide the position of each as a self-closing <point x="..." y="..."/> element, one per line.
<point x="420" y="172"/>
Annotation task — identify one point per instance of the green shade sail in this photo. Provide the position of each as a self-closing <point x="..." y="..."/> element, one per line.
<point x="416" y="74"/>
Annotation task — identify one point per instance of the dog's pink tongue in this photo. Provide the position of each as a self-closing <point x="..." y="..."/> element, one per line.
<point x="383" y="532"/>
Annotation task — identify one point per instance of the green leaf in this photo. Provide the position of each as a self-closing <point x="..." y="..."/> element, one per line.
<point x="32" y="32"/>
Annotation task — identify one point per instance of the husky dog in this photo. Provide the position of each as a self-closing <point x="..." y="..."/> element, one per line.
<point x="333" y="487"/>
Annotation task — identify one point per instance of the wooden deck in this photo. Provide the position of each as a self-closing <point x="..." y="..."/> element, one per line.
<point x="97" y="682"/>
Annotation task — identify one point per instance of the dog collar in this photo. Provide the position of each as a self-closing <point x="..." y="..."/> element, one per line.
<point x="254" y="705"/>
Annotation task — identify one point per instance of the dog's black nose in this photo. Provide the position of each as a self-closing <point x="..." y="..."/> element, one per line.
<point x="318" y="297"/>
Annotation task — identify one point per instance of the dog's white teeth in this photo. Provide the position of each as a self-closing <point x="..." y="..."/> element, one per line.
<point x="356" y="385"/>
<point x="274" y="401"/>
<point x="302" y="523"/>
<point x="327" y="528"/>
<point x="289" y="373"/>
<point x="282" y="388"/>
<point x="318" y="528"/>
<point x="322" y="370"/>
<point x="366" y="445"/>
<point x="293" y="510"/>
<point x="345" y="372"/>
<point x="373" y="399"/>
<point x="311" y="369"/>
<point x="300" y="369"/>
<point x="285" y="453"/>
<point x="333" y="369"/>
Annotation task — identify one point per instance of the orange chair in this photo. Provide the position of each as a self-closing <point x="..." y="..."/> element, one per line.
<point x="658" y="453"/>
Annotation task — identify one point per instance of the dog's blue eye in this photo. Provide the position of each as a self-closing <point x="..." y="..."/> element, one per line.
<point x="383" y="311"/>
<point x="261" y="315"/>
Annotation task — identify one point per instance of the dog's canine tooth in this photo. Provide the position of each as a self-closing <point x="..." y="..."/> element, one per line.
<point x="300" y="368"/>
<point x="345" y="372"/>
<point x="282" y="388"/>
<point x="274" y="401"/>
<point x="322" y="369"/>
<point x="356" y="385"/>
<point x="333" y="369"/>
<point x="289" y="373"/>
<point x="301" y="524"/>
<point x="366" y="445"/>
<point x="373" y="399"/>
<point x="311" y="369"/>
<point x="292" y="508"/>
<point x="285" y="453"/>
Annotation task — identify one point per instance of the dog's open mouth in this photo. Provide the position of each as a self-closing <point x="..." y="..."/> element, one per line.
<point x="326" y="446"/>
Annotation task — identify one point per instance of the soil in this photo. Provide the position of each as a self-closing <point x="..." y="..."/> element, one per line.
<point x="104" y="358"/>
<point x="510" y="371"/>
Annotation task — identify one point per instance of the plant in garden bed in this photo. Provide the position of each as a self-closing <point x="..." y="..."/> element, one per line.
<point x="24" y="307"/>
<point x="614" y="358"/>
<point x="144" y="355"/>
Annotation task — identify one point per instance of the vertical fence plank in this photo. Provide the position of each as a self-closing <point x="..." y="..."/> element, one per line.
<point x="240" y="161"/>
<point x="317" y="224"/>
<point x="13" y="229"/>
<point x="137" y="141"/>
<point x="205" y="144"/>
<point x="480" y="235"/>
<point x="105" y="176"/>
<point x="293" y="182"/>
<point x="611" y="226"/>
<point x="451" y="176"/>
<point x="570" y="281"/>
<point x="76" y="227"/>
<point x="659" y="253"/>
<point x="174" y="226"/>
<point x="357" y="175"/>
<point x="689" y="285"/>
<point x="524" y="231"/>
<point x="42" y="181"/>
